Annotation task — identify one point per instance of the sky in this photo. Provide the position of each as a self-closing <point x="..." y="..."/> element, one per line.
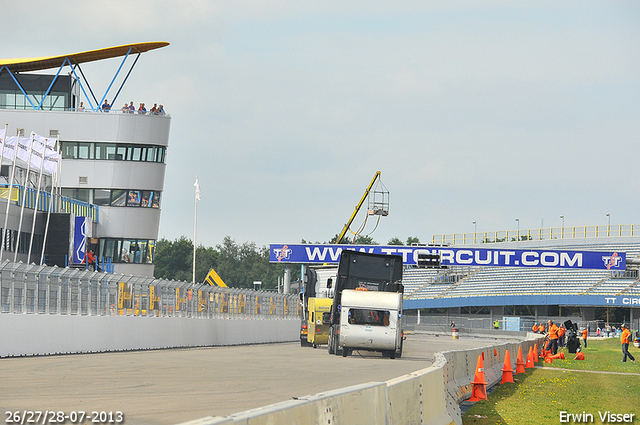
<point x="472" y="111"/>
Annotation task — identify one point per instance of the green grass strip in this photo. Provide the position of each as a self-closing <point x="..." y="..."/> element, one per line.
<point x="541" y="394"/>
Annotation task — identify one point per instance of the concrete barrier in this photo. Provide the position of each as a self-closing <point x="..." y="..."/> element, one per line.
<point x="41" y="334"/>
<point x="362" y="404"/>
<point x="429" y="396"/>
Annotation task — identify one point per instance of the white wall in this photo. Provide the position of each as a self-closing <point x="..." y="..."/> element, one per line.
<point x="38" y="334"/>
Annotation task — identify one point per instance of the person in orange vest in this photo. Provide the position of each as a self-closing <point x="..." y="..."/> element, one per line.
<point x="584" y="337"/>
<point x="561" y="332"/>
<point x="553" y="338"/>
<point x="541" y="328"/>
<point x="534" y="328"/>
<point x="625" y="337"/>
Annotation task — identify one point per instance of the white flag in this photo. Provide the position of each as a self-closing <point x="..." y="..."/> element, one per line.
<point x="197" y="185"/>
<point x="38" y="147"/>
<point x="2" y="134"/>
<point x="45" y="147"/>
<point x="24" y="147"/>
<point x="51" y="160"/>
<point x="10" y="147"/>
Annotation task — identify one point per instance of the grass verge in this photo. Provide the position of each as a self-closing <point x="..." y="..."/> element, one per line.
<point x="540" y="395"/>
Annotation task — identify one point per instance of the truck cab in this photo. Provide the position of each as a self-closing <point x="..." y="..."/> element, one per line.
<point x="316" y="305"/>
<point x="318" y="323"/>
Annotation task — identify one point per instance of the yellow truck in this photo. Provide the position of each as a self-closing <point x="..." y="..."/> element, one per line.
<point x="318" y="322"/>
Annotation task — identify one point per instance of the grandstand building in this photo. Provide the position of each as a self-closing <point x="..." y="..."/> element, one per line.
<point x="112" y="168"/>
<point x="494" y="287"/>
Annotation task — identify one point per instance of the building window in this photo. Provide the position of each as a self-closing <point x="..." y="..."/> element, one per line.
<point x="101" y="197"/>
<point x="134" y="251"/>
<point x="106" y="151"/>
<point x="118" y="198"/>
<point x="85" y="150"/>
<point x="112" y="151"/>
<point x="134" y="198"/>
<point x="115" y="197"/>
<point x="85" y="195"/>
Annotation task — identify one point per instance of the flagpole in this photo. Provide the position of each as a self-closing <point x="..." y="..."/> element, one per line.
<point x="24" y="199"/>
<point x="35" y="210"/>
<point x="4" y="138"/>
<point x="54" y="176"/>
<point x="195" y="226"/>
<point x="6" y="214"/>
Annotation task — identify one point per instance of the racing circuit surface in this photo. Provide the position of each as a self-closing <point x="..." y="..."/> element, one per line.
<point x="166" y="387"/>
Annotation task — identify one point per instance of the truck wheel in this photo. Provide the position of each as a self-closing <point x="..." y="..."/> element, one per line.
<point x="392" y="354"/>
<point x="345" y="351"/>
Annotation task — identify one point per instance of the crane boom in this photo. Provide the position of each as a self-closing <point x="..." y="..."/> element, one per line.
<point x="355" y="212"/>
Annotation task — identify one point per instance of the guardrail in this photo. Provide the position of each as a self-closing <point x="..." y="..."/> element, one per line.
<point x="537" y="234"/>
<point x="52" y="290"/>
<point x="428" y="396"/>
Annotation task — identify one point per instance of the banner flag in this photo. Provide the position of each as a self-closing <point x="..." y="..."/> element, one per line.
<point x="24" y="147"/>
<point x="197" y="185"/>
<point x="45" y="148"/>
<point x="51" y="160"/>
<point x="10" y="147"/>
<point x="457" y="256"/>
<point x="38" y="147"/>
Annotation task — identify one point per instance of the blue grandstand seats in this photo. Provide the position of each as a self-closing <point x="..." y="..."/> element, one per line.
<point x="492" y="281"/>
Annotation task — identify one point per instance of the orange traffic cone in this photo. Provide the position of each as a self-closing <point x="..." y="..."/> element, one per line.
<point x="519" y="362"/>
<point x="548" y="359"/>
<point x="507" y="372"/>
<point x="495" y="352"/>
<point x="479" y="391"/>
<point x="580" y="356"/>
<point x="560" y="355"/>
<point x="543" y="352"/>
<point x="529" y="364"/>
<point x="536" y="355"/>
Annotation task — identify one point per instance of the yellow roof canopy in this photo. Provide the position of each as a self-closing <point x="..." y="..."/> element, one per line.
<point x="48" y="62"/>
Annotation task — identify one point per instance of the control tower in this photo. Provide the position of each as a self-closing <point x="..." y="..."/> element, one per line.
<point x="113" y="161"/>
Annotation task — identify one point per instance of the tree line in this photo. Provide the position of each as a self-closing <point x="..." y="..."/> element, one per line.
<point x="238" y="264"/>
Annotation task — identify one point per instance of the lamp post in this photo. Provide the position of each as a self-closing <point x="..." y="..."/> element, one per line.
<point x="475" y="231"/>
<point x="562" y="231"/>
<point x="518" y="233"/>
<point x="608" y="224"/>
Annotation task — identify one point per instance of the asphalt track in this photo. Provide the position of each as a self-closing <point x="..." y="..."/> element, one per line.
<point x="166" y="387"/>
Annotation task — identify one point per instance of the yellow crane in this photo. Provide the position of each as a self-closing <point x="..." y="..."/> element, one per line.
<point x="379" y="205"/>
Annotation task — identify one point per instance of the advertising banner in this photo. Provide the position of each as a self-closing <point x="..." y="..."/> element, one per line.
<point x="82" y="230"/>
<point x="456" y="256"/>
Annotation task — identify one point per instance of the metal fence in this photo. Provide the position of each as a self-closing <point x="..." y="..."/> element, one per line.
<point x="36" y="289"/>
<point x="442" y="323"/>
<point x="537" y="234"/>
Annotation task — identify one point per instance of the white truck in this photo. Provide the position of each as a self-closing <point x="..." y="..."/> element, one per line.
<point x="371" y="321"/>
<point x="367" y="305"/>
